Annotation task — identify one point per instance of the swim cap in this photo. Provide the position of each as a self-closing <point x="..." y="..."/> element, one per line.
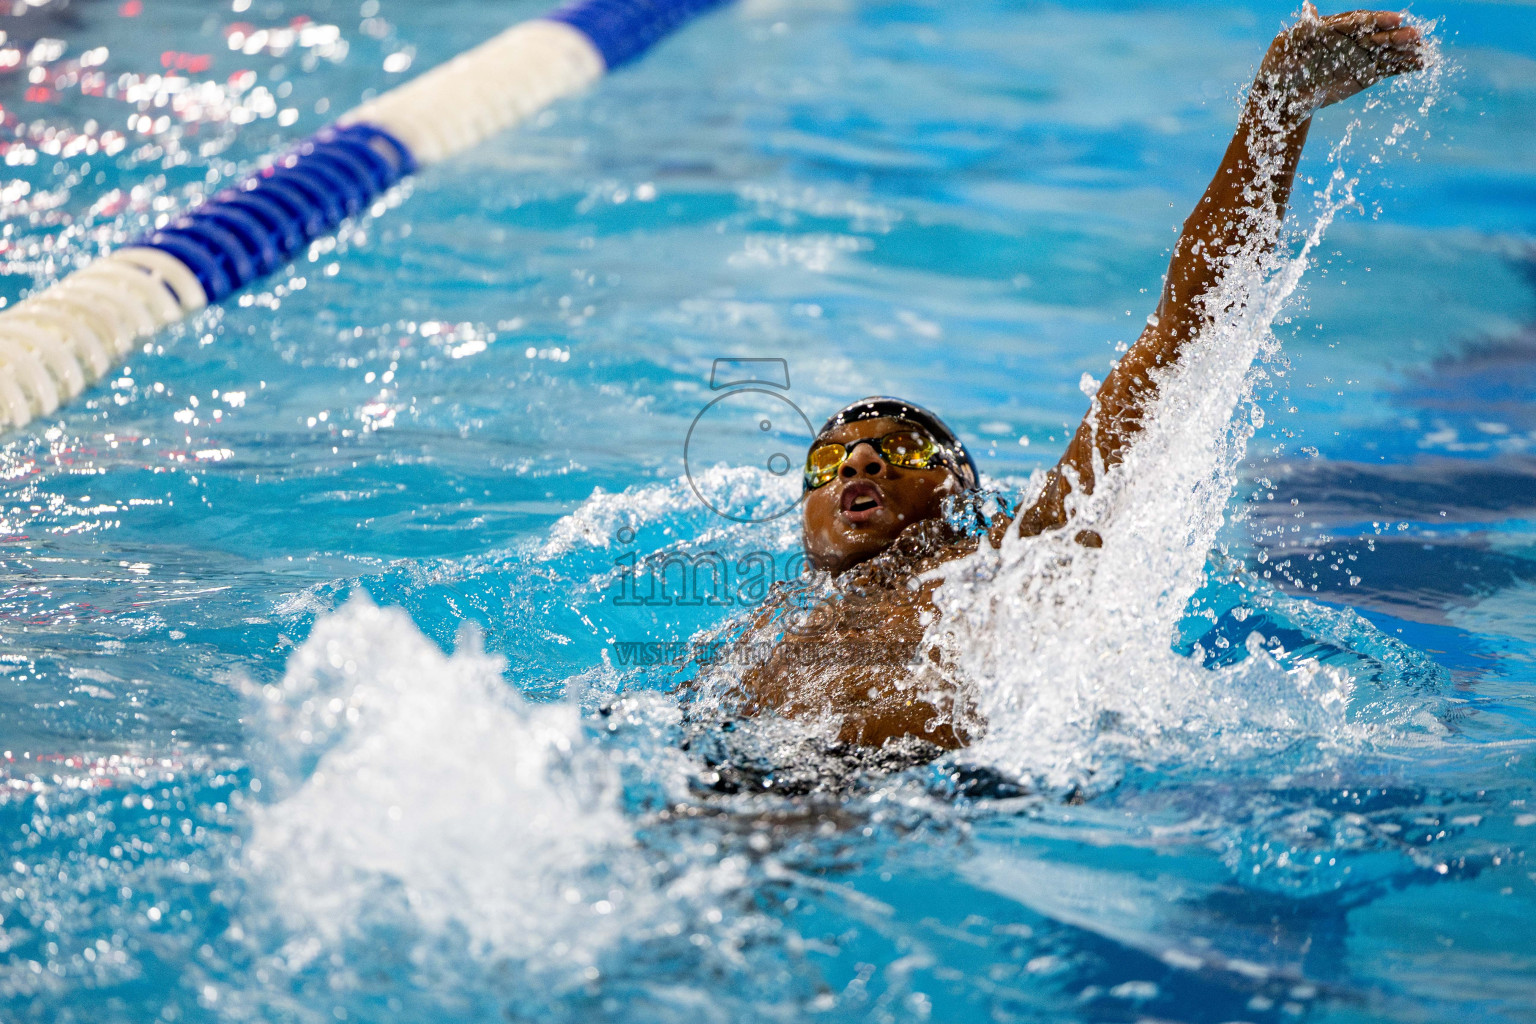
<point x="883" y="406"/>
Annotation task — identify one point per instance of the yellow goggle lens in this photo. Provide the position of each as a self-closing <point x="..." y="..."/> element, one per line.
<point x="910" y="449"/>
<point x="822" y="463"/>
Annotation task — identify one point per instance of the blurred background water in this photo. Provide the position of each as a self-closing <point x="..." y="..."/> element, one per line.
<point x="236" y="791"/>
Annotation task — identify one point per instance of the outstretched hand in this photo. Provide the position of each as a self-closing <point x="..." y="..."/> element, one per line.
<point x="1319" y="61"/>
<point x="1316" y="62"/>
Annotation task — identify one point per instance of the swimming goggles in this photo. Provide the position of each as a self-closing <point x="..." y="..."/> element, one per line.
<point x="908" y="448"/>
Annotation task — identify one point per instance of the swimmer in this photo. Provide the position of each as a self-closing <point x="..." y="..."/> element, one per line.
<point x="878" y="473"/>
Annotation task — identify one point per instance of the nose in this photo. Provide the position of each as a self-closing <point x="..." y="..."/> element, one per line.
<point x="863" y="459"/>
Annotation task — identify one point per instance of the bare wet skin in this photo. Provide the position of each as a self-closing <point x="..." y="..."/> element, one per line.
<point x="859" y="658"/>
<point x="852" y="657"/>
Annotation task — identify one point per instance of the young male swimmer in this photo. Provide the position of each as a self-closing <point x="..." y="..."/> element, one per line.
<point x="878" y="472"/>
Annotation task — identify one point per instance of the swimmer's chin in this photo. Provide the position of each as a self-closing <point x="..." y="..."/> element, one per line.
<point x="855" y="543"/>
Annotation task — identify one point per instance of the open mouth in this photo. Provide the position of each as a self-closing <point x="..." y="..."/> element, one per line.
<point x="861" y="500"/>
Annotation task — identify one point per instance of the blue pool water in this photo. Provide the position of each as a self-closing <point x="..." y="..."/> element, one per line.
<point x="318" y="686"/>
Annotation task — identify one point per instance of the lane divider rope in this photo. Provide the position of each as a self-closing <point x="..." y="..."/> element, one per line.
<point x="62" y="339"/>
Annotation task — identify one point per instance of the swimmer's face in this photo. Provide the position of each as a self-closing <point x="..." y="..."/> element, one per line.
<point x="869" y="502"/>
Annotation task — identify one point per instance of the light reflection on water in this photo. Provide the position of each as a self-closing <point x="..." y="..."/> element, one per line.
<point x="424" y="411"/>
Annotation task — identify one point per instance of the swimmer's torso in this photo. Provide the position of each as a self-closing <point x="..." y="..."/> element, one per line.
<point x="858" y="657"/>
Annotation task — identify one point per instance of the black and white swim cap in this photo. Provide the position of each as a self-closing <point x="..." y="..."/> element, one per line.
<point x="883" y="406"/>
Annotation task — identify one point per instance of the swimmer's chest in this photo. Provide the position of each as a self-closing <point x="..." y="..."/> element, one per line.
<point x="843" y="654"/>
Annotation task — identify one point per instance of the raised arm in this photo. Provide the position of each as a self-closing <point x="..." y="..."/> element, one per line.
<point x="1314" y="63"/>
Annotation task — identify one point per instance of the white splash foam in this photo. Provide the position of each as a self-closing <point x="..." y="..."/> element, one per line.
<point x="597" y="522"/>
<point x="1070" y="648"/>
<point x="436" y="796"/>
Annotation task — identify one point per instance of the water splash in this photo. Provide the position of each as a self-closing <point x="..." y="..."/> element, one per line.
<point x="1069" y="648"/>
<point x="413" y="787"/>
<point x="413" y="810"/>
<point x="385" y="754"/>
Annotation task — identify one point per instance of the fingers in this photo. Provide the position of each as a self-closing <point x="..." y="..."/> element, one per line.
<point x="1403" y="61"/>
<point x="1376" y="29"/>
<point x="1400" y="50"/>
<point x="1363" y="22"/>
<point x="1320" y="61"/>
<point x="1397" y="39"/>
<point x="1379" y="31"/>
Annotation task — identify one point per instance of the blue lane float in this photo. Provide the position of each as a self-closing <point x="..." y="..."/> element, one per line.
<point x="58" y="341"/>
<point x="243" y="234"/>
<point x="624" y="29"/>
